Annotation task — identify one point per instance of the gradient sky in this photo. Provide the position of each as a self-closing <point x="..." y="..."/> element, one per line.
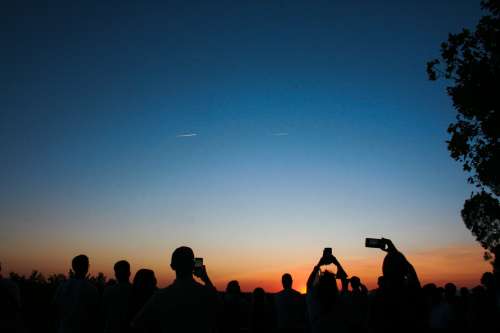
<point x="257" y="132"/>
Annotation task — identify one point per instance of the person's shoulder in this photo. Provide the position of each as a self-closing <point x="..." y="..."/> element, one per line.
<point x="88" y="284"/>
<point x="202" y="289"/>
<point x="111" y="290"/>
<point x="163" y="296"/>
<point x="64" y="285"/>
<point x="198" y="285"/>
<point x="163" y="293"/>
<point x="188" y="285"/>
<point x="88" y="287"/>
<point x="281" y="292"/>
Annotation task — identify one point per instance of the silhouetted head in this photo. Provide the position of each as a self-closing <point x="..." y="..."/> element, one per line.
<point x="80" y="265"/>
<point x="145" y="279"/>
<point x="326" y="290"/>
<point x="488" y="280"/>
<point x="429" y="291"/>
<point x="450" y="291"/>
<point x="380" y="281"/>
<point x="259" y="296"/>
<point x="355" y="282"/>
<point x="233" y="288"/>
<point x="183" y="261"/>
<point x="122" y="271"/>
<point x="464" y="292"/>
<point x="286" y="281"/>
<point x="478" y="291"/>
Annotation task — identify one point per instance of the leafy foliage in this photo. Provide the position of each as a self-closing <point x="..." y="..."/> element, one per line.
<point x="471" y="61"/>
<point x="481" y="214"/>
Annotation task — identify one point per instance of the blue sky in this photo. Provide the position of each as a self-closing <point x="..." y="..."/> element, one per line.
<point x="313" y="123"/>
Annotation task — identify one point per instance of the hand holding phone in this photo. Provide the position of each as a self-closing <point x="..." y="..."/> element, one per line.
<point x="198" y="267"/>
<point x="327" y="257"/>
<point x="375" y="243"/>
<point x="380" y="243"/>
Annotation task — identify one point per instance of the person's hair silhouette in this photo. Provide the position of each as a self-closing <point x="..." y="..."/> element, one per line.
<point x="80" y="266"/>
<point x="233" y="288"/>
<point x="287" y="281"/>
<point x="145" y="279"/>
<point x="183" y="262"/>
<point x="143" y="287"/>
<point x="122" y="271"/>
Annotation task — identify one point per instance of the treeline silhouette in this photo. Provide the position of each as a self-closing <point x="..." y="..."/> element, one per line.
<point x="334" y="302"/>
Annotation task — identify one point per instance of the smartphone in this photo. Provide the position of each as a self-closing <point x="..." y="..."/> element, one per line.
<point x="198" y="262"/>
<point x="374" y="243"/>
<point x="327" y="252"/>
<point x="198" y="265"/>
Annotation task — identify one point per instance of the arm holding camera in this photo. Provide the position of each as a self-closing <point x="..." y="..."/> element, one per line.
<point x="388" y="246"/>
<point x="310" y="281"/>
<point x="411" y="274"/>
<point x="326" y="259"/>
<point x="201" y="273"/>
<point x="342" y="275"/>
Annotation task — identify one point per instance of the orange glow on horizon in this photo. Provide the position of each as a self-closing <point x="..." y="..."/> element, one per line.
<point x="460" y="264"/>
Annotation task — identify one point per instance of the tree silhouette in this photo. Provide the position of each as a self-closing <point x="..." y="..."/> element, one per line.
<point x="481" y="214"/>
<point x="470" y="60"/>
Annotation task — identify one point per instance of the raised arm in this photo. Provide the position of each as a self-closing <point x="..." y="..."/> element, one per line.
<point x="411" y="273"/>
<point x="341" y="274"/>
<point x="203" y="276"/>
<point x="314" y="273"/>
<point x="413" y="280"/>
<point x="312" y="276"/>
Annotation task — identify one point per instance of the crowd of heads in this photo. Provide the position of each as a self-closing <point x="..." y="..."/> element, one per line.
<point x="333" y="301"/>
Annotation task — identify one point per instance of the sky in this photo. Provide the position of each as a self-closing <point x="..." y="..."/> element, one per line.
<point x="256" y="132"/>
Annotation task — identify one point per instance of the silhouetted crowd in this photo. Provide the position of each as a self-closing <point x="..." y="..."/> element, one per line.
<point x="334" y="302"/>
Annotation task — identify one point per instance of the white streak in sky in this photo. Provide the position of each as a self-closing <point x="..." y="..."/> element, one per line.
<point x="186" y="135"/>
<point x="280" y="134"/>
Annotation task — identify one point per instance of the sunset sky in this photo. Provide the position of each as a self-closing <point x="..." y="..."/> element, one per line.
<point x="256" y="132"/>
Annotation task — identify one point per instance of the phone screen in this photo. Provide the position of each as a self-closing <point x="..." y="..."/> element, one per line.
<point x="198" y="262"/>
<point x="374" y="243"/>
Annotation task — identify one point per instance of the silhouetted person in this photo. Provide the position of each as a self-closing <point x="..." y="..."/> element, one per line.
<point x="77" y="300"/>
<point x="440" y="312"/>
<point x="359" y="306"/>
<point x="10" y="305"/>
<point x="117" y="301"/>
<point x="261" y="317"/>
<point x="463" y="310"/>
<point x="185" y="305"/>
<point x="452" y="300"/>
<point x="491" y="300"/>
<point x="290" y="307"/>
<point x="398" y="305"/>
<point x="143" y="288"/>
<point x="327" y="313"/>
<point x="235" y="309"/>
